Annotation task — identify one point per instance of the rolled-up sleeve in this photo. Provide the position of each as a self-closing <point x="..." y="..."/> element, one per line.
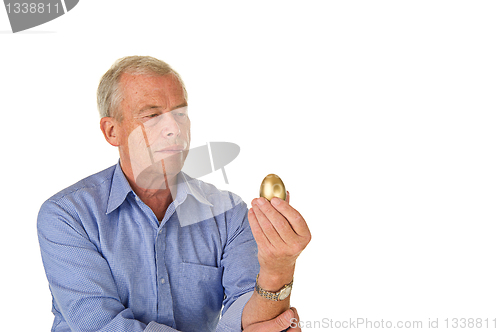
<point x="231" y="321"/>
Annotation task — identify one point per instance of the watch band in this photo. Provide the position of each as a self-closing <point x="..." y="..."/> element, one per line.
<point x="280" y="295"/>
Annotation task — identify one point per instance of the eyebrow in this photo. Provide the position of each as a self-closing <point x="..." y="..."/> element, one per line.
<point x="148" y="107"/>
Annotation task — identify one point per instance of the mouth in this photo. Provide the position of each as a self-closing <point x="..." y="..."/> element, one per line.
<point x="172" y="149"/>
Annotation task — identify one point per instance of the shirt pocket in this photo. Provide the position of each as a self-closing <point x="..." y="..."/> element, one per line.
<point x="202" y="293"/>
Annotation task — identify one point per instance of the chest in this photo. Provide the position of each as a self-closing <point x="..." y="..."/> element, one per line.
<point x="156" y="268"/>
<point x="136" y="240"/>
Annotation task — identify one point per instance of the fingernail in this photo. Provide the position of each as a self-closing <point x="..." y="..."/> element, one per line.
<point x="260" y="201"/>
<point x="276" y="201"/>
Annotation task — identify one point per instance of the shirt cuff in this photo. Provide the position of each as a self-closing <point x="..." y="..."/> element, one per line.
<point x="155" y="327"/>
<point x="231" y="321"/>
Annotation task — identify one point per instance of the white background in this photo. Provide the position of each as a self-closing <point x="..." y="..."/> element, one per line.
<point x="381" y="117"/>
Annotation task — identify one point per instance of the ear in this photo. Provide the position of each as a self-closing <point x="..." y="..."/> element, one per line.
<point x="109" y="128"/>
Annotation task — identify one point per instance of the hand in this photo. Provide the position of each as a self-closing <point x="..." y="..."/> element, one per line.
<point x="280" y="323"/>
<point x="281" y="234"/>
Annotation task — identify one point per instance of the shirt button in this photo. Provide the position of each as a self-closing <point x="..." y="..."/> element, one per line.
<point x="160" y="231"/>
<point x="162" y="280"/>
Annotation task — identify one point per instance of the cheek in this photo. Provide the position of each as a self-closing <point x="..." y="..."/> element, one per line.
<point x="188" y="131"/>
<point x="136" y="141"/>
<point x="150" y="135"/>
<point x="122" y="135"/>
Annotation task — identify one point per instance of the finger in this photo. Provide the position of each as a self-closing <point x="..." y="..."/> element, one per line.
<point x="295" y="313"/>
<point x="295" y="321"/>
<point x="287" y="199"/>
<point x="267" y="227"/>
<point x="278" y="324"/>
<point x="257" y="231"/>
<point x="280" y="224"/>
<point x="283" y="321"/>
<point x="293" y="216"/>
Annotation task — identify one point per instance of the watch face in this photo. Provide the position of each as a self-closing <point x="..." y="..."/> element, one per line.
<point x="284" y="293"/>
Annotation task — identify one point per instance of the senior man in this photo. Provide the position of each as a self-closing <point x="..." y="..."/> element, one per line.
<point x="141" y="246"/>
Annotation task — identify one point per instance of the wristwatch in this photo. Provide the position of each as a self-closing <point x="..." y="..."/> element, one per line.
<point x="280" y="295"/>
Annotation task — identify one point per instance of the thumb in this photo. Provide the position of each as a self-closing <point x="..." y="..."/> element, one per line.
<point x="282" y="322"/>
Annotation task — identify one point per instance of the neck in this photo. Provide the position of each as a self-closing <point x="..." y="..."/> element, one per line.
<point x="156" y="191"/>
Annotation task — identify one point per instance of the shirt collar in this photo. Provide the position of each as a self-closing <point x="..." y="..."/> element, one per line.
<point x="191" y="204"/>
<point x="186" y="185"/>
<point x="120" y="188"/>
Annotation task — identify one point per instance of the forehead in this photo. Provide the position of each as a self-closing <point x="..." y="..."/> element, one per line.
<point x="140" y="90"/>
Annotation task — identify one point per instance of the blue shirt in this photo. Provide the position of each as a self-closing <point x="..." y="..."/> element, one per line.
<point x="112" y="267"/>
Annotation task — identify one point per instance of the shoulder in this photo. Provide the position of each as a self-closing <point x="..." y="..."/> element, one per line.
<point x="228" y="210"/>
<point x="87" y="194"/>
<point x="91" y="183"/>
<point x="222" y="201"/>
<point x="212" y="194"/>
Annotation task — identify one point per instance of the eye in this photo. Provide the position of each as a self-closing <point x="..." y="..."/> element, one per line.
<point x="181" y="113"/>
<point x="150" y="119"/>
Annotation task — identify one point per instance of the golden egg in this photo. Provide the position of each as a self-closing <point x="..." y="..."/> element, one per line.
<point x="272" y="186"/>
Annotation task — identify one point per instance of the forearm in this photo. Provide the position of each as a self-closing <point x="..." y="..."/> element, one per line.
<point x="258" y="308"/>
<point x="281" y="234"/>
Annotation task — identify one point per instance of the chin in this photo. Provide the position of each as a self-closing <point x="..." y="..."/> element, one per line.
<point x="172" y="165"/>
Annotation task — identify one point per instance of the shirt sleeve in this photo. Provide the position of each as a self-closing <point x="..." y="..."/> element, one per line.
<point x="240" y="268"/>
<point x="79" y="277"/>
<point x="231" y="321"/>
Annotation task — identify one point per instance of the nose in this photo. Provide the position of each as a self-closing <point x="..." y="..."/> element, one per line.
<point x="169" y="127"/>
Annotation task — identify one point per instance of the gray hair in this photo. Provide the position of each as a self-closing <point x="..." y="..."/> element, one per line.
<point x="109" y="92"/>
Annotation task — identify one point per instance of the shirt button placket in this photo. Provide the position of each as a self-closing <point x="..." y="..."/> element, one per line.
<point x="165" y="305"/>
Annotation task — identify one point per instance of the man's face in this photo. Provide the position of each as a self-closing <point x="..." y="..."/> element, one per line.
<point x="155" y="130"/>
